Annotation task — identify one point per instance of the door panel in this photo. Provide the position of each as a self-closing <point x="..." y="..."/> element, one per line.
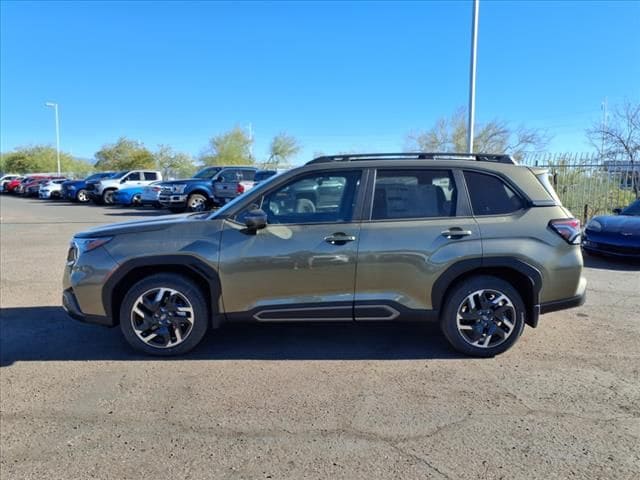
<point x="289" y="268"/>
<point x="399" y="261"/>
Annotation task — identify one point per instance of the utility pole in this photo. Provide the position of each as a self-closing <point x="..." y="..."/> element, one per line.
<point x="55" y="107"/>
<point x="603" y="106"/>
<point x="251" y="138"/>
<point x="472" y="76"/>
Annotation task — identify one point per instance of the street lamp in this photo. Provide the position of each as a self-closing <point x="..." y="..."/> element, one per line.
<point x="55" y="107"/>
<point x="472" y="76"/>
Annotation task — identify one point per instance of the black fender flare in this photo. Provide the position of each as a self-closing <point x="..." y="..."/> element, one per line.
<point x="463" y="267"/>
<point x="196" y="265"/>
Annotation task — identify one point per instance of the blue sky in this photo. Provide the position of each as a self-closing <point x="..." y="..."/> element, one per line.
<point x="338" y="76"/>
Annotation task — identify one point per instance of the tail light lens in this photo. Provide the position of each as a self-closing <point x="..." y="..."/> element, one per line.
<point x="567" y="228"/>
<point x="240" y="188"/>
<point x="156" y="189"/>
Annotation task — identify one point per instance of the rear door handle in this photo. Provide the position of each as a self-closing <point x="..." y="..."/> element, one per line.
<point x="456" y="232"/>
<point x="339" y="238"/>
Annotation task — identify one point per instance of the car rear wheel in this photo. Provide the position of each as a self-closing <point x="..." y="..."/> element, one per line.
<point x="136" y="201"/>
<point x="483" y="316"/>
<point x="164" y="315"/>
<point x="82" y="196"/>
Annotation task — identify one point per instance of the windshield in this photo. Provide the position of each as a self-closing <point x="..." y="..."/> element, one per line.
<point x="633" y="209"/>
<point x="118" y="174"/>
<point x="207" y="172"/>
<point x="98" y="176"/>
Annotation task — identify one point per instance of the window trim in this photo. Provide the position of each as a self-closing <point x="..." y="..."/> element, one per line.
<point x="461" y="206"/>
<point x="356" y="214"/>
<point x="526" y="201"/>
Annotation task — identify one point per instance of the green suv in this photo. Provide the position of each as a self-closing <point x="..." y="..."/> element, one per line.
<point x="473" y="241"/>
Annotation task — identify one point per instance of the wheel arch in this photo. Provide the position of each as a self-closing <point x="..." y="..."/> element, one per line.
<point x="132" y="271"/>
<point x="524" y="277"/>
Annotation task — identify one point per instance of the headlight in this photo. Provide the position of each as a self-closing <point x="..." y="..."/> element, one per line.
<point x="84" y="245"/>
<point x="179" y="188"/>
<point x="594" y="225"/>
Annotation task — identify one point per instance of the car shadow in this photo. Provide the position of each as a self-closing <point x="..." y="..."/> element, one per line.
<point x="48" y="334"/>
<point x="137" y="212"/>
<point x="611" y="263"/>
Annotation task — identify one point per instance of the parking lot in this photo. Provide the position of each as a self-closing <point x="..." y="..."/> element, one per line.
<point x="306" y="401"/>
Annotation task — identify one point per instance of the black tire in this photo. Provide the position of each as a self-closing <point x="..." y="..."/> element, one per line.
<point x="187" y="289"/>
<point x="197" y="203"/>
<point x="485" y="324"/>
<point x="136" y="201"/>
<point x="82" y="196"/>
<point x="107" y="197"/>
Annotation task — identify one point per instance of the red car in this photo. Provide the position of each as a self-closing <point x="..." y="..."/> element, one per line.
<point x="13" y="184"/>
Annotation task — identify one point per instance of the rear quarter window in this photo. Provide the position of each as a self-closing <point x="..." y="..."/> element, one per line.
<point x="489" y="195"/>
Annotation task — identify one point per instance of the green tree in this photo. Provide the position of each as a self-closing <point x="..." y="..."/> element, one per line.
<point x="125" y="154"/>
<point x="230" y="148"/>
<point x="173" y="164"/>
<point x="496" y="136"/>
<point x="42" y="159"/>
<point x="282" y="148"/>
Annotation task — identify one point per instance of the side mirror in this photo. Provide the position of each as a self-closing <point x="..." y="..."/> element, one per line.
<point x="255" y="220"/>
<point x="617" y="211"/>
<point x="124" y="180"/>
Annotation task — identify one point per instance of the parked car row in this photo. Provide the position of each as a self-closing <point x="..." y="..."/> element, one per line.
<point x="210" y="188"/>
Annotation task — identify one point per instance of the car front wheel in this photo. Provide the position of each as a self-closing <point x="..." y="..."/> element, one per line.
<point x="483" y="316"/>
<point x="107" y="197"/>
<point x="164" y="315"/>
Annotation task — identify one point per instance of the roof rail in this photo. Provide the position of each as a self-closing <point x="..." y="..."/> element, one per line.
<point x="351" y="157"/>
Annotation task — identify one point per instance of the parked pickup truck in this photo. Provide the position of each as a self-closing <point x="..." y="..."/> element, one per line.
<point x="212" y="186"/>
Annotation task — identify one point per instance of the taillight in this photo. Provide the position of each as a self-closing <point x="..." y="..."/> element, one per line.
<point x="567" y="228"/>
<point x="240" y="188"/>
<point x="156" y="189"/>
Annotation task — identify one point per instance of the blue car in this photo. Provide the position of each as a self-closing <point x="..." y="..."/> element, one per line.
<point x="128" y="197"/>
<point x="617" y="235"/>
<point x="76" y="190"/>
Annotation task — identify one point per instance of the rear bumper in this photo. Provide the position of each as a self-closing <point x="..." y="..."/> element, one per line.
<point x="565" y="303"/>
<point x="70" y="305"/>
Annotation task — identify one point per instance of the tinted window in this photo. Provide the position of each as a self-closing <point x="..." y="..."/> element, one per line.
<point x="315" y="198"/>
<point x="207" y="172"/>
<point x="263" y="175"/>
<point x="413" y="194"/>
<point x="150" y="176"/>
<point x="248" y="174"/>
<point x="231" y="175"/>
<point x="490" y="195"/>
<point x="133" y="177"/>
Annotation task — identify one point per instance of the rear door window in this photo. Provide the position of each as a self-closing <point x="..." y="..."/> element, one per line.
<point x="490" y="195"/>
<point x="422" y="193"/>
<point x="150" y="176"/>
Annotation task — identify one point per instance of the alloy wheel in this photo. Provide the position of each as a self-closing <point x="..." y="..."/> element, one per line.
<point x="197" y="204"/>
<point x="486" y="318"/>
<point x="162" y="317"/>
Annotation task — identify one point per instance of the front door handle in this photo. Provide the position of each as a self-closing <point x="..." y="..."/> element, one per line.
<point x="339" y="238"/>
<point x="456" y="232"/>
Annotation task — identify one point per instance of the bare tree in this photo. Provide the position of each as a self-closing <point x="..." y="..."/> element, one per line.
<point x="496" y="136"/>
<point x="619" y="138"/>
<point x="621" y="135"/>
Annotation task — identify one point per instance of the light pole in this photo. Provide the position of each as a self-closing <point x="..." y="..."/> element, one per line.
<point x="55" y="107"/>
<point x="472" y="79"/>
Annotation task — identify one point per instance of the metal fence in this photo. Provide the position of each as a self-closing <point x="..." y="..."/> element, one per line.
<point x="587" y="184"/>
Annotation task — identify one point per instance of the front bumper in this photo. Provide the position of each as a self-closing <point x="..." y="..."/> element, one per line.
<point x="173" y="200"/>
<point x="44" y="195"/>
<point x="71" y="306"/>
<point x="624" y="251"/>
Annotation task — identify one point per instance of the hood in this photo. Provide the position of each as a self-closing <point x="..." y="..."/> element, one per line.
<point x="73" y="182"/>
<point x="619" y="224"/>
<point x="136" y="226"/>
